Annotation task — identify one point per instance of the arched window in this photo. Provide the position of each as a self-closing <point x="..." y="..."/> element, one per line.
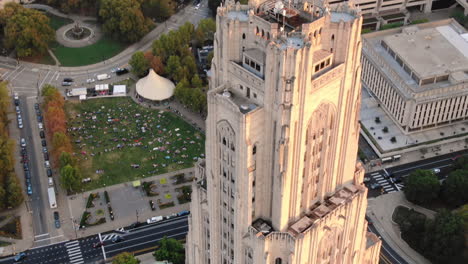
<point x="263" y="33"/>
<point x="268" y="35"/>
<point x="254" y="150"/>
<point x="243" y="36"/>
<point x="224" y="141"/>
<point x="278" y="261"/>
<point x="257" y="31"/>
<point x="333" y="38"/>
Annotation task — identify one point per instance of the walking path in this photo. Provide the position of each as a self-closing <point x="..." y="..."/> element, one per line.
<point x="380" y="211"/>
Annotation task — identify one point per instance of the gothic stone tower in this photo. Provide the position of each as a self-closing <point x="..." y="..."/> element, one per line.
<point x="280" y="183"/>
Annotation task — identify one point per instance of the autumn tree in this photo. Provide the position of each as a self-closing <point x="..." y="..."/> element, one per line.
<point x="26" y="30"/>
<point x="154" y="62"/>
<point x="13" y="190"/>
<point x="124" y="20"/>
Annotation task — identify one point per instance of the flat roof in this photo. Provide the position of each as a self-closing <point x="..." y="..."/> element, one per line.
<point x="430" y="52"/>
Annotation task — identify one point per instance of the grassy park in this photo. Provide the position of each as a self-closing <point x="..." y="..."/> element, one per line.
<point x="57" y="22"/>
<point x="102" y="50"/>
<point x="116" y="141"/>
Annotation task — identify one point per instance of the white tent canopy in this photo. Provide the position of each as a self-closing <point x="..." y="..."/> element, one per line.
<point x="154" y="87"/>
<point x="119" y="89"/>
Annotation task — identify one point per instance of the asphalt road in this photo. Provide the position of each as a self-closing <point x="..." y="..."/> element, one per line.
<point x="35" y="201"/>
<point x="387" y="254"/>
<point x="442" y="162"/>
<point x="138" y="241"/>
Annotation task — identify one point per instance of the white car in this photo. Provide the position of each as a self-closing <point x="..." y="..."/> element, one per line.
<point x="41" y="126"/>
<point x="154" y="219"/>
<point x="20" y="123"/>
<point x="90" y="80"/>
<point x="47" y="164"/>
<point x="18" y="110"/>
<point x="51" y="181"/>
<point x="197" y="6"/>
<point x="436" y="170"/>
<point x="23" y="142"/>
<point x="15" y="96"/>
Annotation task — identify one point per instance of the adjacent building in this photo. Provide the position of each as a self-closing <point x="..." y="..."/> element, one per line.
<point x="280" y="183"/>
<point x="419" y="73"/>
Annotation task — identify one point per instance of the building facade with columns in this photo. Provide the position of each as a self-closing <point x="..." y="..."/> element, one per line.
<point x="419" y="73"/>
<point x="281" y="183"/>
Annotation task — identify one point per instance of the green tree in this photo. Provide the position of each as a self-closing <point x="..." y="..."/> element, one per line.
<point x="65" y="159"/>
<point x="182" y="92"/>
<point x="158" y="9"/>
<point x="26" y="30"/>
<point x="13" y="191"/>
<point x="205" y="31"/>
<point x="125" y="258"/>
<point x="421" y="187"/>
<point x="171" y="250"/>
<point x="173" y="66"/>
<point x="196" y="81"/>
<point x="70" y="178"/>
<point x="48" y="90"/>
<point x="189" y="63"/>
<point x="209" y="58"/>
<point x="455" y="188"/>
<point x="213" y="5"/>
<point x="2" y="198"/>
<point x="139" y="63"/>
<point x="461" y="163"/>
<point x="123" y="19"/>
<point x="444" y="240"/>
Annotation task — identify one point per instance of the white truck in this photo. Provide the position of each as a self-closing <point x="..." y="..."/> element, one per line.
<point x="154" y="219"/>
<point x="52" y="201"/>
<point x="104" y="76"/>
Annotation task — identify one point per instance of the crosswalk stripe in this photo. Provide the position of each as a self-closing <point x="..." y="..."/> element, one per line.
<point x="77" y="261"/>
<point x="388" y="188"/>
<point x="72" y="244"/>
<point x="375" y="173"/>
<point x="78" y="252"/>
<point x="381" y="181"/>
<point x="379" y="177"/>
<point x="75" y="257"/>
<point x="392" y="191"/>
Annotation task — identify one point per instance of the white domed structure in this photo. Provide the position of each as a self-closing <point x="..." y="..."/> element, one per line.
<point x="154" y="87"/>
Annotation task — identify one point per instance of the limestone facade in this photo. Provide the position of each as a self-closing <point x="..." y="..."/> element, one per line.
<point x="419" y="73"/>
<point x="280" y="183"/>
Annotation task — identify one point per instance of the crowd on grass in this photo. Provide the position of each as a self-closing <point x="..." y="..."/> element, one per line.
<point x="157" y="138"/>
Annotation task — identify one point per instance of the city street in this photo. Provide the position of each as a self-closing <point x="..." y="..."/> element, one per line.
<point x="387" y="254"/>
<point x="138" y="241"/>
<point x="382" y="177"/>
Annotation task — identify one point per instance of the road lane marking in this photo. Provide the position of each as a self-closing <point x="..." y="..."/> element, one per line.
<point x="146" y="242"/>
<point x="102" y="247"/>
<point x="17" y="74"/>
<point x="43" y="79"/>
<point x="422" y="165"/>
<point x="45" y="234"/>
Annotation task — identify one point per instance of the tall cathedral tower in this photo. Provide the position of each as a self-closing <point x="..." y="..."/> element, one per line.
<point x="280" y="183"/>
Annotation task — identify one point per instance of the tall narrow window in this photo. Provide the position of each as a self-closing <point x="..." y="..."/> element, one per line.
<point x="248" y="92"/>
<point x="254" y="150"/>
<point x="278" y="261"/>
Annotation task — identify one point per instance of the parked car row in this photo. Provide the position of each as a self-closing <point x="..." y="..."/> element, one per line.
<point x="156" y="219"/>
<point x="45" y="152"/>
<point x="26" y="168"/>
<point x="18" y="110"/>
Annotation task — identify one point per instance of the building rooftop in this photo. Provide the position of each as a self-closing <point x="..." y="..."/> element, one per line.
<point x="430" y="52"/>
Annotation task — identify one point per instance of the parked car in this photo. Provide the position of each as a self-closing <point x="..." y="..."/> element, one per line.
<point x="117" y="239"/>
<point x="19" y="256"/>
<point x="397" y="179"/>
<point x="436" y="170"/>
<point x="44" y="143"/>
<point x="36" y="106"/>
<point x="90" y="80"/>
<point x="40" y="125"/>
<point x="375" y="186"/>
<point x="29" y="190"/>
<point x="67" y="79"/>
<point x="42" y="134"/>
<point x="154" y="219"/>
<point x="25" y="166"/>
<point x="15" y="96"/>
<point x="56" y="219"/>
<point x="18" y="110"/>
<point x="182" y="213"/>
<point x="51" y="181"/>
<point x="23" y="151"/>
<point x="66" y="83"/>
<point x="44" y="150"/>
<point x="47" y="164"/>
<point x="121" y="71"/>
<point x="46" y="156"/>
<point x="17" y="102"/>
<point x="27" y="174"/>
<point x="49" y="172"/>
<point x="23" y="142"/>
<point x="39" y="118"/>
<point x="20" y="124"/>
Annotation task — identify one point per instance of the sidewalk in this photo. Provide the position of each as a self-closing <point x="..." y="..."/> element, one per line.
<point x="380" y="211"/>
<point x="123" y="216"/>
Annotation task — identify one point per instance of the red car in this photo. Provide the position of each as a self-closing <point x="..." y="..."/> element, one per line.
<point x="98" y="244"/>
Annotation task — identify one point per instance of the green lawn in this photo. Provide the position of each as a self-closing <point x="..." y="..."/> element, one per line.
<point x="57" y="22"/>
<point x="111" y="140"/>
<point x="102" y="50"/>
